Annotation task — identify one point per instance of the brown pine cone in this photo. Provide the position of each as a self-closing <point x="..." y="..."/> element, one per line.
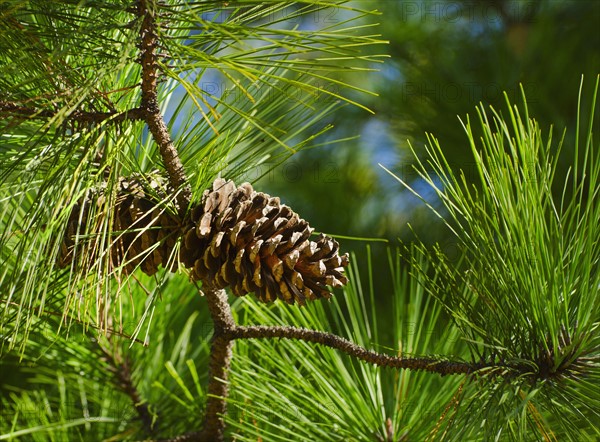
<point x="251" y="242"/>
<point x="143" y="232"/>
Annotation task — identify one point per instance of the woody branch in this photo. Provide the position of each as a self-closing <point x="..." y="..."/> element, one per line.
<point x="149" y="43"/>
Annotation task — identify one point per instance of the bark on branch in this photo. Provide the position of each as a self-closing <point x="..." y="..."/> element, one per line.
<point x="442" y="367"/>
<point x="156" y="124"/>
<point x="220" y="361"/>
<point x="493" y="367"/>
<point x="121" y="369"/>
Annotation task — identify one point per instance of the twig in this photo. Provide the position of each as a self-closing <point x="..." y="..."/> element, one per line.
<point x="429" y="364"/>
<point x="154" y="119"/>
<point x="121" y="370"/>
<point x="442" y="367"/>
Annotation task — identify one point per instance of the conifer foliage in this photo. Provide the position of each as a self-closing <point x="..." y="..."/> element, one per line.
<point x="113" y="224"/>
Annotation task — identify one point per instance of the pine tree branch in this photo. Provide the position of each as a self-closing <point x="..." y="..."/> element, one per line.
<point x="220" y="361"/>
<point x="120" y="367"/>
<point x="8" y="109"/>
<point x="156" y="123"/>
<point x="536" y="369"/>
<point x="442" y="367"/>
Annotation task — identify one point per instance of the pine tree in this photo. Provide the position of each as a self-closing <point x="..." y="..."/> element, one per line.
<point x="115" y="128"/>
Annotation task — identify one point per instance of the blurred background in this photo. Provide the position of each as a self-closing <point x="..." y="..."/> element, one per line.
<point x="445" y="58"/>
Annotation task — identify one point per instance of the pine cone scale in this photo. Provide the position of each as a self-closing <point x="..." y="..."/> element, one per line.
<point x="137" y="225"/>
<point x="251" y="242"/>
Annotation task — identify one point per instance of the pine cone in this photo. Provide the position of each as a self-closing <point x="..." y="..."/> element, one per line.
<point x="143" y="232"/>
<point x="250" y="241"/>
